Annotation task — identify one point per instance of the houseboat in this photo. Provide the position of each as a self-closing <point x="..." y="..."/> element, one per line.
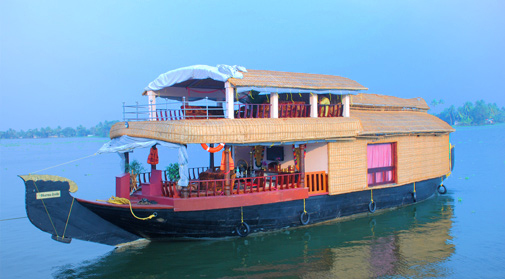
<point x="297" y="149"/>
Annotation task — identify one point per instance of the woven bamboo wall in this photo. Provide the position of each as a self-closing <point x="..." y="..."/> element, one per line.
<point x="419" y="158"/>
<point x="347" y="166"/>
<point x="423" y="157"/>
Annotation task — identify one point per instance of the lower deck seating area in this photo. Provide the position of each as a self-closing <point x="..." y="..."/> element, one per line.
<point x="215" y="185"/>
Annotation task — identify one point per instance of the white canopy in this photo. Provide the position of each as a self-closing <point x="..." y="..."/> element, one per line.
<point x="197" y="72"/>
<point x="126" y="143"/>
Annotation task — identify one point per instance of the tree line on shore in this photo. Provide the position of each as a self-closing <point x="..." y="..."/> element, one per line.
<point x="100" y="130"/>
<point x="478" y="113"/>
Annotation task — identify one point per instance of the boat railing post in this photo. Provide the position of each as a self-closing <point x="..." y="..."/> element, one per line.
<point x="227" y="170"/>
<point x="137" y="109"/>
<point x="124" y="112"/>
<point x="211" y="158"/>
<point x="151" y="110"/>
<point x="207" y="106"/>
<point x="184" y="107"/>
<point x="302" y="166"/>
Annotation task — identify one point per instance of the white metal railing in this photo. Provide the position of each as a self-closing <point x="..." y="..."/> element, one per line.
<point x="174" y="110"/>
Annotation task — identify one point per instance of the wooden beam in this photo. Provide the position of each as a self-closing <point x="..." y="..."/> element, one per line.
<point x="226" y="154"/>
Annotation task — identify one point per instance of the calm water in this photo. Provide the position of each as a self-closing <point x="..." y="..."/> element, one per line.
<point x="458" y="235"/>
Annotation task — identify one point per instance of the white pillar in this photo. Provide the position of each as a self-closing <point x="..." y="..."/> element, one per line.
<point x="274" y="105"/>
<point x="229" y="100"/>
<point x="313" y="105"/>
<point x="152" y="105"/>
<point x="347" y="101"/>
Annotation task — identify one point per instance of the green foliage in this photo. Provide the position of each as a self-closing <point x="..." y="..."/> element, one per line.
<point x="173" y="172"/>
<point x="254" y="97"/>
<point x="473" y="114"/>
<point x="100" y="130"/>
<point x="135" y="167"/>
<point x="436" y="103"/>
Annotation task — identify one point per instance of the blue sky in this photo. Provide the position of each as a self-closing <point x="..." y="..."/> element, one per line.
<point x="74" y="62"/>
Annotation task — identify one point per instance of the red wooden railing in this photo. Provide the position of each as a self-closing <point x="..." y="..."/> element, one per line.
<point x="143" y="178"/>
<point x="316" y="182"/>
<point x="253" y="111"/>
<point x="247" y="185"/>
<point x="293" y="110"/>
<point x="194" y="173"/>
<point x="169" y="189"/>
<point x="333" y="110"/>
<point x="286" y="110"/>
<point x="243" y="185"/>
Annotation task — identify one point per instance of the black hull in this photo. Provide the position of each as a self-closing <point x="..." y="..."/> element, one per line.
<point x="267" y="217"/>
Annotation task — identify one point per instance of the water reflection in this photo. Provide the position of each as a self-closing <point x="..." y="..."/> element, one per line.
<point x="411" y="241"/>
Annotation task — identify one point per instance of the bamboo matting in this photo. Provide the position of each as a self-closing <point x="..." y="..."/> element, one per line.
<point x="418" y="158"/>
<point x="384" y="102"/>
<point x="241" y="131"/>
<point x="263" y="78"/>
<point x="399" y="122"/>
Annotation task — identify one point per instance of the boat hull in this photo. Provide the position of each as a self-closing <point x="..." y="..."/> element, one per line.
<point x="51" y="208"/>
<point x="225" y="222"/>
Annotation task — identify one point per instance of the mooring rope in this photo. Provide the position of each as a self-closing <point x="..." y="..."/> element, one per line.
<point x="65" y="163"/>
<point x="68" y="217"/>
<point x="43" y="203"/>
<point x="15" y="218"/>
<point x="118" y="200"/>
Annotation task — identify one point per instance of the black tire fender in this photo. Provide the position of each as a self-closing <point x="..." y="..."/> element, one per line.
<point x="372" y="206"/>
<point x="304" y="218"/>
<point x="243" y="229"/>
<point x="441" y="189"/>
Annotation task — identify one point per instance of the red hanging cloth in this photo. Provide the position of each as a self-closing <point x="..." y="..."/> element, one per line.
<point x="153" y="156"/>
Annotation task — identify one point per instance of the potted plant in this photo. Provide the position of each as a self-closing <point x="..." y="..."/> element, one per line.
<point x="173" y="172"/>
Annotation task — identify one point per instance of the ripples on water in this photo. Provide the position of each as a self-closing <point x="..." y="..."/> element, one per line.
<point x="457" y="235"/>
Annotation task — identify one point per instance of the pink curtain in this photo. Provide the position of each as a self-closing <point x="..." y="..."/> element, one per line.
<point x="379" y="155"/>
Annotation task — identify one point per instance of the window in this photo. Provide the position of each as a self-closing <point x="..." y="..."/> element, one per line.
<point x="381" y="163"/>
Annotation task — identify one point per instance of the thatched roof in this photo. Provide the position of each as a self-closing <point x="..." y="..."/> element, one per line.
<point x="383" y="102"/>
<point x="399" y="122"/>
<point x="238" y="131"/>
<point x="263" y="78"/>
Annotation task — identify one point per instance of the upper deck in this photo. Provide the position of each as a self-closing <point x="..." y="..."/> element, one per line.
<point x="202" y="104"/>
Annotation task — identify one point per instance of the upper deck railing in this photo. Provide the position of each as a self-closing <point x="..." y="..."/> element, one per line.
<point x="174" y="110"/>
<point x="253" y="111"/>
<point x="208" y="109"/>
<point x="333" y="110"/>
<point x="294" y="110"/>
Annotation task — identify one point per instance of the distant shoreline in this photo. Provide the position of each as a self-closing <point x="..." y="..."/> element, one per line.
<point x="102" y="129"/>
